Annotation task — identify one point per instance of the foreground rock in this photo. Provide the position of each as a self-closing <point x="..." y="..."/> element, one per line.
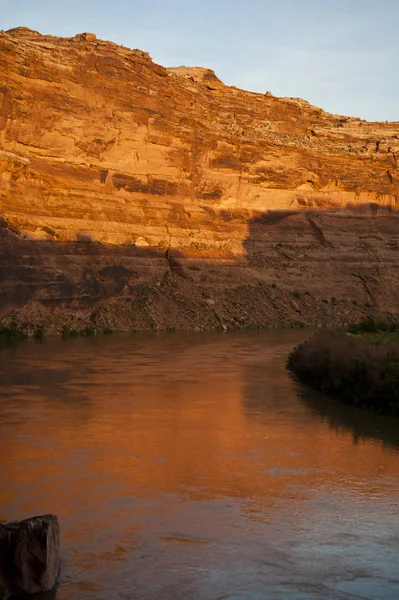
<point x="138" y="197"/>
<point x="29" y="555"/>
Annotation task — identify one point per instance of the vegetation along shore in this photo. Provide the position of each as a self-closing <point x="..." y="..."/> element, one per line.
<point x="359" y="366"/>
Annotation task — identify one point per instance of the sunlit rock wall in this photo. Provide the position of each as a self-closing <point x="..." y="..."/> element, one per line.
<point x="116" y="173"/>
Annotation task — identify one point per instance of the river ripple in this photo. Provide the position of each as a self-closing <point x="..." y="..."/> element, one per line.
<point x="191" y="466"/>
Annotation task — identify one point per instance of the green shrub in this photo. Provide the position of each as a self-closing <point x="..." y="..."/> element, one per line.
<point x="39" y="333"/>
<point x="356" y="370"/>
<point x="372" y="326"/>
<point x="88" y="332"/>
<point x="298" y="324"/>
<point x="11" y="333"/>
<point x="68" y="332"/>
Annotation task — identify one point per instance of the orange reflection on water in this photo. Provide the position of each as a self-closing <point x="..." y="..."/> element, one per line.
<point x="139" y="443"/>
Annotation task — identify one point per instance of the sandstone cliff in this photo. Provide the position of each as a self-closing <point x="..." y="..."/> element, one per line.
<point x="135" y="196"/>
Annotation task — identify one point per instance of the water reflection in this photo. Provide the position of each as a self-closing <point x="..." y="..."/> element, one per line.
<point x="361" y="423"/>
<point x="189" y="466"/>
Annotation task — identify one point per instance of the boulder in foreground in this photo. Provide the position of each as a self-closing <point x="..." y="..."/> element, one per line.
<point x="29" y="555"/>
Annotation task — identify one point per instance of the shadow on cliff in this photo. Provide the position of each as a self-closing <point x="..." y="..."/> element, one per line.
<point x="265" y="225"/>
<point x="54" y="272"/>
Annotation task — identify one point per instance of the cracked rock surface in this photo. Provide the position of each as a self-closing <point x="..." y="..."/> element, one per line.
<point x="122" y="180"/>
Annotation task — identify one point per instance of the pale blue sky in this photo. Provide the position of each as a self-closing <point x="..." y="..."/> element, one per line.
<point x="341" y="55"/>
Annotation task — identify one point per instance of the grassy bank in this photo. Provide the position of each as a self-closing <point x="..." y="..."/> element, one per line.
<point x="15" y="332"/>
<point x="12" y="334"/>
<point x="360" y="368"/>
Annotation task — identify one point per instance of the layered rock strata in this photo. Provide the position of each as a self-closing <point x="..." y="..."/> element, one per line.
<point x="134" y="196"/>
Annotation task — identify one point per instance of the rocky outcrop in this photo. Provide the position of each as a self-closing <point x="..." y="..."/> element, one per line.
<point x="122" y="180"/>
<point x="29" y="556"/>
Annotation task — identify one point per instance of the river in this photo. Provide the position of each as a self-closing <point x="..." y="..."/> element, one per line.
<point x="192" y="466"/>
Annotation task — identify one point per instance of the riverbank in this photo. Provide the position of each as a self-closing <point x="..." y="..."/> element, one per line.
<point x="359" y="368"/>
<point x="174" y="304"/>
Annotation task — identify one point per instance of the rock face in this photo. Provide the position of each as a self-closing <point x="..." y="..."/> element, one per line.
<point x="29" y="555"/>
<point x="122" y="180"/>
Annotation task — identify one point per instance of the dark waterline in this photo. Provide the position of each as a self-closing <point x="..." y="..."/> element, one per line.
<point x="191" y="466"/>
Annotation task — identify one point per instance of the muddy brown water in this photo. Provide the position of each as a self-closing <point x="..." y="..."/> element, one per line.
<point x="192" y="466"/>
